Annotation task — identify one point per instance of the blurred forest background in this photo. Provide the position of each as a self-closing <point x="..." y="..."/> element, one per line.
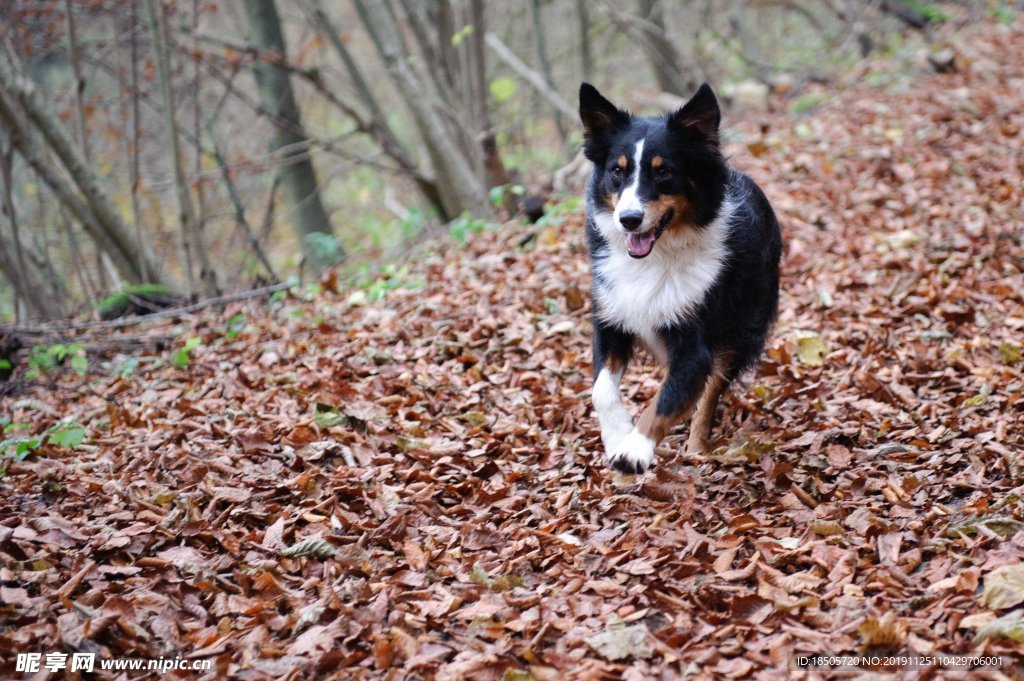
<point x="180" y="148"/>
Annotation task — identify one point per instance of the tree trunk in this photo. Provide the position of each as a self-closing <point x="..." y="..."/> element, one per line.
<point x="460" y="188"/>
<point x="191" y="240"/>
<point x="545" y="63"/>
<point x="495" y="173"/>
<point x="377" y="123"/>
<point x="298" y="177"/>
<point x="96" y="212"/>
<point x="661" y="52"/>
<point x="586" y="60"/>
<point x="21" y="264"/>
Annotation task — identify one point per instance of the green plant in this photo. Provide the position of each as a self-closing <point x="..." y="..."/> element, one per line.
<point x="556" y="212"/>
<point x="499" y="193"/>
<point x="182" y="354"/>
<point x="127" y="367"/>
<point x="235" y="326"/>
<point x="502" y="89"/>
<point x="1003" y="13"/>
<point x="930" y="12"/>
<point x="391" y="278"/>
<point x="66" y="434"/>
<point x="324" y="247"/>
<point x="413" y="223"/>
<point x="42" y="358"/>
<point x="805" y="103"/>
<point x="282" y="294"/>
<point x="462" y="227"/>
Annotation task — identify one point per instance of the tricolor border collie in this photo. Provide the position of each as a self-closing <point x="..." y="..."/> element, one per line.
<point x="685" y="255"/>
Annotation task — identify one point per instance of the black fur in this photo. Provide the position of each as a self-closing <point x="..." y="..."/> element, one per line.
<point x="735" y="317"/>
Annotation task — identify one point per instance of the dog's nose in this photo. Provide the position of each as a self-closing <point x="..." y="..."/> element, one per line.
<point x="631" y="219"/>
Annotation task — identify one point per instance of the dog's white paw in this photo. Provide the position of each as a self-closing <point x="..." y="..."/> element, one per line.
<point x="633" y="454"/>
<point x="614" y="432"/>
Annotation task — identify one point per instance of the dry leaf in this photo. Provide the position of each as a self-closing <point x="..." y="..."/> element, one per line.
<point x="621" y="642"/>
<point x="1004" y="587"/>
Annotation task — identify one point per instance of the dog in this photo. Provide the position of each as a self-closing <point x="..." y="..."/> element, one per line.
<point x="684" y="254"/>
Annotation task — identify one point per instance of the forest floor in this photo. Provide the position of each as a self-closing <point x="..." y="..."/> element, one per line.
<point x="407" y="481"/>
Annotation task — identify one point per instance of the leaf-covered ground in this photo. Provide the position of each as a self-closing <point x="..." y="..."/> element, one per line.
<point x="413" y="487"/>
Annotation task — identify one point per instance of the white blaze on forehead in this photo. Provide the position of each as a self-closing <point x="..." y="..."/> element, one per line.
<point x="629" y="199"/>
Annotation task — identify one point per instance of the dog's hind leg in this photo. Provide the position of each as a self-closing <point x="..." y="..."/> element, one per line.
<point x="704" y="416"/>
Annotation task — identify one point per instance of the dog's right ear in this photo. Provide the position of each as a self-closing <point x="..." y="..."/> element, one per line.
<point x="599" y="117"/>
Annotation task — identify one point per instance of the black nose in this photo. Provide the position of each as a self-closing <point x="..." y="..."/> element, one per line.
<point x="631" y="219"/>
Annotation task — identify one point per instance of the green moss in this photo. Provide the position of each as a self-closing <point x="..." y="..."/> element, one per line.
<point x="135" y="299"/>
<point x="930" y="12"/>
<point x="805" y="103"/>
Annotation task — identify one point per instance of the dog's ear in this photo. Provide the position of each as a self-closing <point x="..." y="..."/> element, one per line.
<point x="599" y="116"/>
<point x="701" y="114"/>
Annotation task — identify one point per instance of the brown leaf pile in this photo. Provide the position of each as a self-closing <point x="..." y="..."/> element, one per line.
<point x="413" y="488"/>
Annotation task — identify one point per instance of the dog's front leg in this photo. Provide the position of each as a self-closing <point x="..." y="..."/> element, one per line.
<point x="688" y="370"/>
<point x="612" y="349"/>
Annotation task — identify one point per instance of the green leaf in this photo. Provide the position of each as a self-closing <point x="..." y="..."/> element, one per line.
<point x="128" y="367"/>
<point x="462" y="34"/>
<point x="503" y="89"/>
<point x="67" y="435"/>
<point x="322" y="246"/>
<point x="235" y="326"/>
<point x="1009" y="352"/>
<point x="496" y="194"/>
<point x="80" y="363"/>
<point x="21" y="446"/>
<point x="4" y="364"/>
<point x="181" y="357"/>
<point x="328" y="416"/>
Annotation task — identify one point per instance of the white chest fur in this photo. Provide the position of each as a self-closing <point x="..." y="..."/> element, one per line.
<point x="643" y="295"/>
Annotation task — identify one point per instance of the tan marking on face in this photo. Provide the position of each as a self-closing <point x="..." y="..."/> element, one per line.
<point x="682" y="211"/>
<point x="622" y="162"/>
<point x="656" y="162"/>
<point x="612" y="199"/>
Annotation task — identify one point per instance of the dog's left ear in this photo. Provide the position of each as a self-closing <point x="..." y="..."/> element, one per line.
<point x="701" y="113"/>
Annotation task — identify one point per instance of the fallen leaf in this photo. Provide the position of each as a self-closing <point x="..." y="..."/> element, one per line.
<point x="1004" y="587"/>
<point x="621" y="642"/>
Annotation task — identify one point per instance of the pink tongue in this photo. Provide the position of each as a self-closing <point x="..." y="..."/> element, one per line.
<point x="640" y="245"/>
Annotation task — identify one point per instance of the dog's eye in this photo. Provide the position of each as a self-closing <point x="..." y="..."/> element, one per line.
<point x="617" y="172"/>
<point x="662" y="174"/>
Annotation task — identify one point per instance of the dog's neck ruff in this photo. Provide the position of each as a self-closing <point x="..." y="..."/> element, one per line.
<point x="644" y="296"/>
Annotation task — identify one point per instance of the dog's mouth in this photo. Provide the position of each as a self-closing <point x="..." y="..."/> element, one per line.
<point x="640" y="244"/>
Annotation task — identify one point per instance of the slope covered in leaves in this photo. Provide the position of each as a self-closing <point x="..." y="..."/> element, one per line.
<point x="413" y="487"/>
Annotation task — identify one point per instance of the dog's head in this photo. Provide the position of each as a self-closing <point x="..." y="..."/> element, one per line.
<point x="653" y="175"/>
